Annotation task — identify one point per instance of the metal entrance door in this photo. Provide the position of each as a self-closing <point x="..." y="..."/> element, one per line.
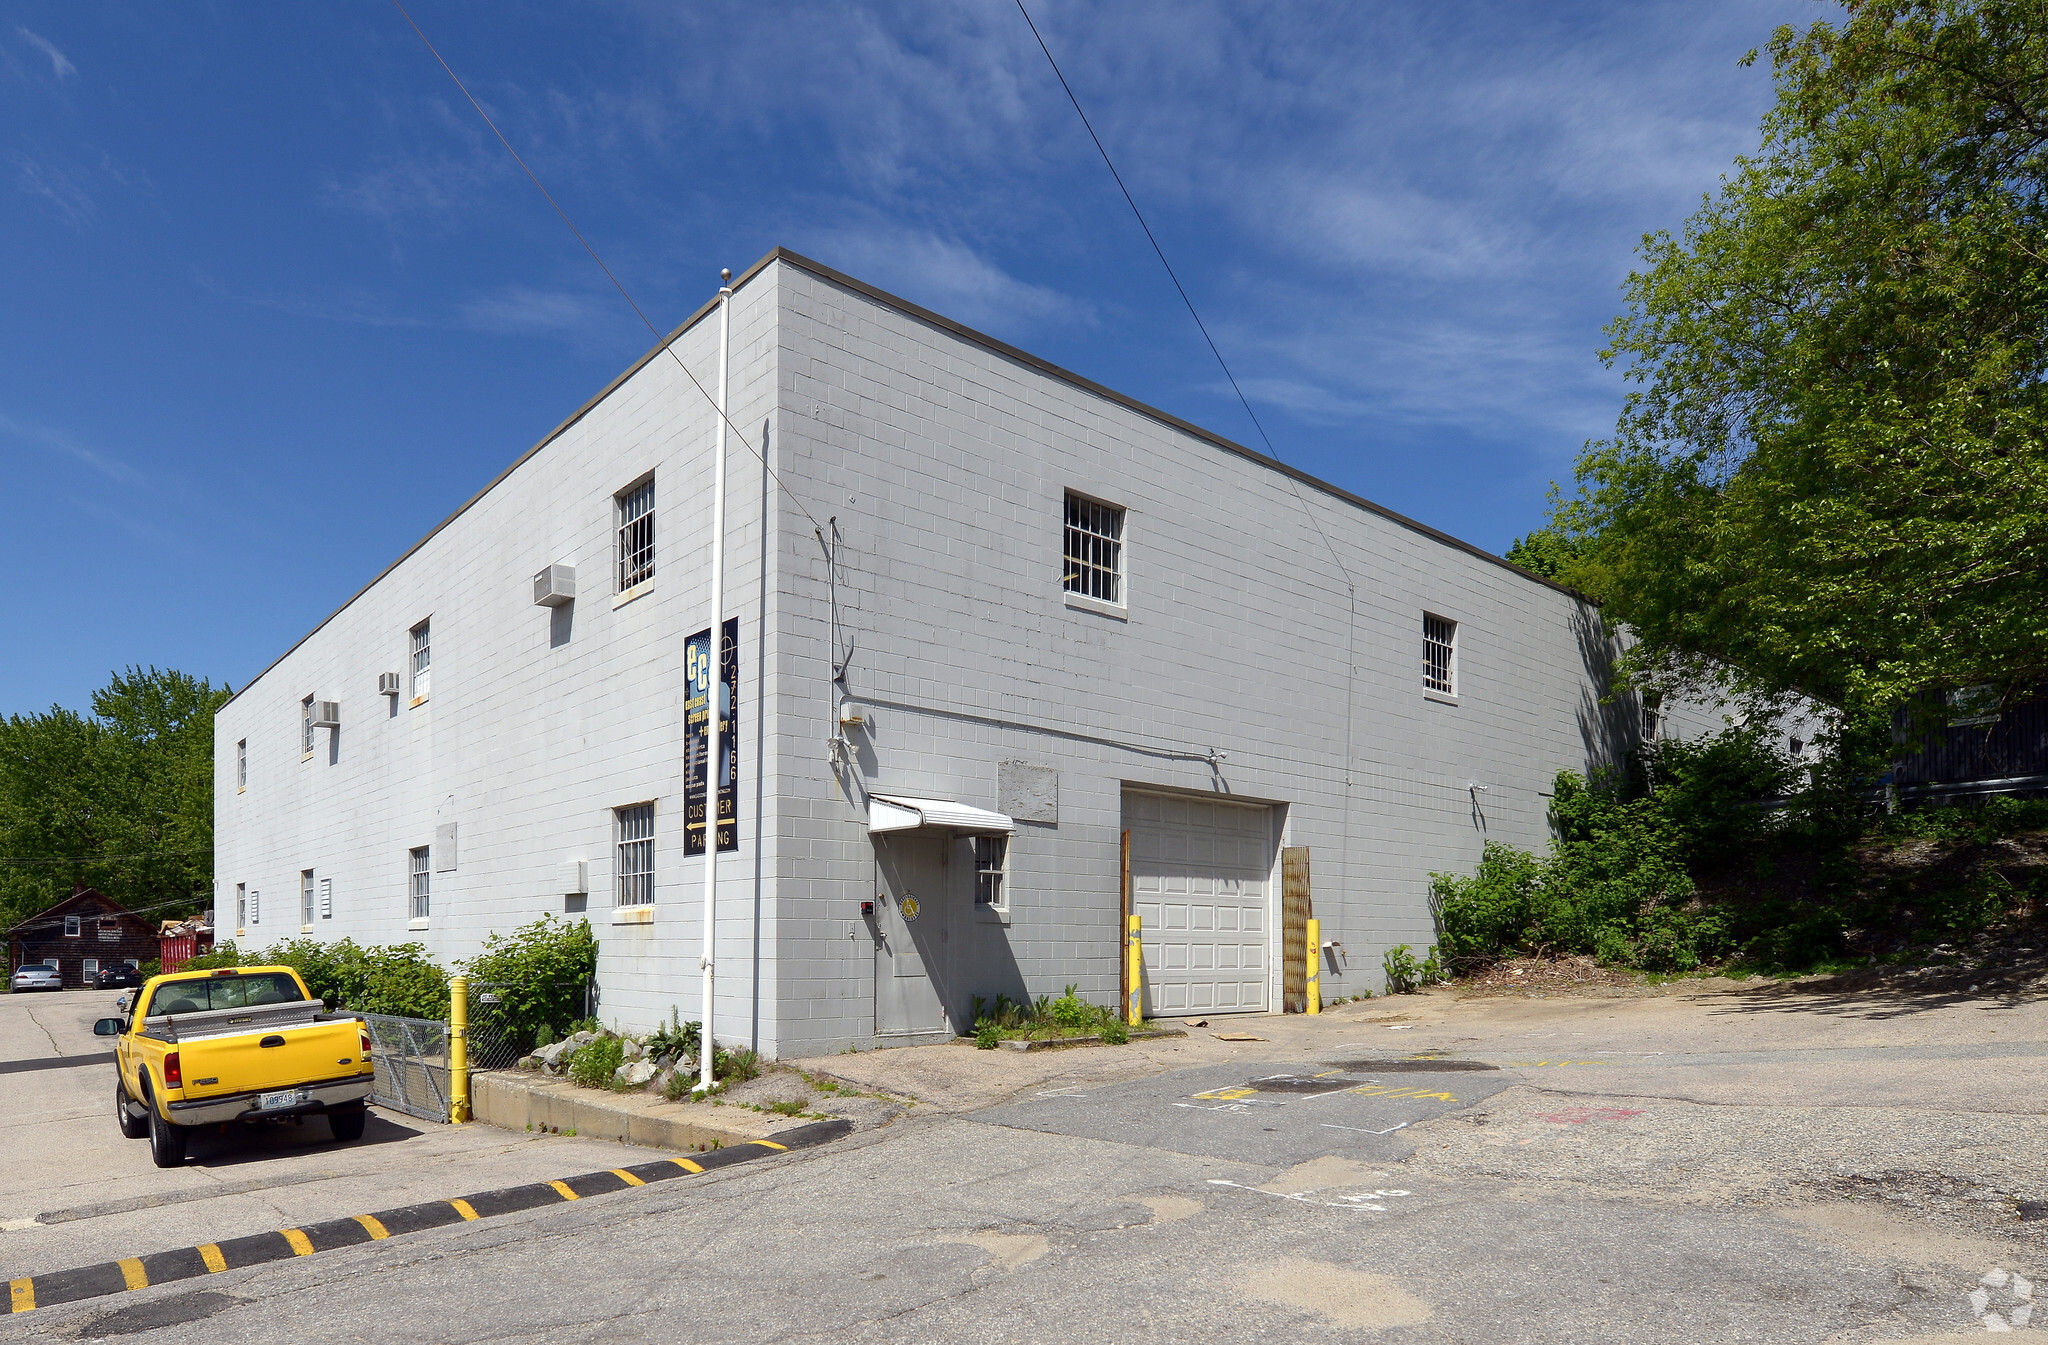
<point x="914" y="911"/>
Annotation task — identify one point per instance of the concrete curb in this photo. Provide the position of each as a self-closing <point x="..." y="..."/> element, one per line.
<point x="514" y="1100"/>
<point x="1053" y="1043"/>
<point x="139" y="1272"/>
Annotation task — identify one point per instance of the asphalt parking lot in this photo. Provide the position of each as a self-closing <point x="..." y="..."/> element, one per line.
<point x="1736" y="1163"/>
<point x="76" y="1192"/>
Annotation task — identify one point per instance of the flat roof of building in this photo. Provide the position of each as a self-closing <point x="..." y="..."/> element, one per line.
<point x="1003" y="348"/>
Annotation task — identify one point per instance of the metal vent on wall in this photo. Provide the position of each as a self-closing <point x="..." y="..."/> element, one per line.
<point x="326" y="714"/>
<point x="554" y="586"/>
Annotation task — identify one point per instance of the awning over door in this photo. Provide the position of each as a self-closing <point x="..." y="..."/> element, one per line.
<point x="896" y="812"/>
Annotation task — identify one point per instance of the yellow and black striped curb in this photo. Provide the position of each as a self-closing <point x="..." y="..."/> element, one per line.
<point x="211" y="1258"/>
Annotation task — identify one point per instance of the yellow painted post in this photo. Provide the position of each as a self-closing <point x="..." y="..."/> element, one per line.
<point x="458" y="1049"/>
<point x="1134" y="973"/>
<point x="1315" y="966"/>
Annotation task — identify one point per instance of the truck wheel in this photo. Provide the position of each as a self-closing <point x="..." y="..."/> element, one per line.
<point x="166" y="1142"/>
<point x="133" y="1127"/>
<point x="348" y="1122"/>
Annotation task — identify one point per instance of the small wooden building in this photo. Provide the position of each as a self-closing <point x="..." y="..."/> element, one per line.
<point x="80" y="935"/>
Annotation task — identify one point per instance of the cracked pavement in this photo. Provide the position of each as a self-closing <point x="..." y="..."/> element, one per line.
<point x="1709" y="1162"/>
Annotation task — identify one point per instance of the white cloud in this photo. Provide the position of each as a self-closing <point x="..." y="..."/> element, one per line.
<point x="946" y="276"/>
<point x="58" y="441"/>
<point x="522" y="310"/>
<point x="60" y="67"/>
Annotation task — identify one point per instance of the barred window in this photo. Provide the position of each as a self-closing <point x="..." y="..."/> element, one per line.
<point x="305" y="896"/>
<point x="306" y="727"/>
<point x="636" y="535"/>
<point x="422" y="880"/>
<point x="242" y="764"/>
<point x="636" y="855"/>
<point x="241" y="904"/>
<point x="1440" y="654"/>
<point x="422" y="660"/>
<point x="991" y="867"/>
<point x="1094" y="549"/>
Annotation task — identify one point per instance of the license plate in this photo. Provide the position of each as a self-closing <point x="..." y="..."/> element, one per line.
<point x="289" y="1097"/>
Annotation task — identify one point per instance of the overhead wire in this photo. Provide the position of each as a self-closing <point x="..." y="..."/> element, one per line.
<point x="1350" y="588"/>
<point x="666" y="346"/>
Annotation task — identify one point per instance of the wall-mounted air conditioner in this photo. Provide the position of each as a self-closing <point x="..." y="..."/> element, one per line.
<point x="554" y="586"/>
<point x="389" y="684"/>
<point x="326" y="714"/>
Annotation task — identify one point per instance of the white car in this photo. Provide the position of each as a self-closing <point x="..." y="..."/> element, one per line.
<point x="36" y="976"/>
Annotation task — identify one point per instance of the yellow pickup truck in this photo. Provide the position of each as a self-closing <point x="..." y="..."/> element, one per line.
<point x="204" y="1048"/>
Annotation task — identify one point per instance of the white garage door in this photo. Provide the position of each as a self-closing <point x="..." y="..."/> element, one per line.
<point x="1199" y="872"/>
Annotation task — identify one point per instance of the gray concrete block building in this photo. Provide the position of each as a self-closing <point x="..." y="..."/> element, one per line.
<point x="994" y="623"/>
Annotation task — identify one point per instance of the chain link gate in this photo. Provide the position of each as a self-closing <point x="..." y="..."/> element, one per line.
<point x="411" y="1059"/>
<point x="506" y="1018"/>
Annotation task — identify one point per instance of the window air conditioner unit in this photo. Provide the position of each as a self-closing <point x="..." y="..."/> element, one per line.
<point x="326" y="714"/>
<point x="388" y="684"/>
<point x="554" y="586"/>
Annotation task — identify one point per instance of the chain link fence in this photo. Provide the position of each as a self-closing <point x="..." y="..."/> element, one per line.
<point x="508" y="1019"/>
<point x="411" y="1060"/>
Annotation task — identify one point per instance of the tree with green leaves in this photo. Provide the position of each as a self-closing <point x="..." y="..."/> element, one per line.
<point x="1832" y="475"/>
<point x="121" y="800"/>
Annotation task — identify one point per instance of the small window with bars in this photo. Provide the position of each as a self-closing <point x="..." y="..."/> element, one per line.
<point x="422" y="881"/>
<point x="242" y="765"/>
<point x="1094" y="549"/>
<point x="241" y="904"/>
<point x="1440" y="655"/>
<point x="305" y="896"/>
<point x="306" y="727"/>
<point x="422" y="645"/>
<point x="636" y="855"/>
<point x="991" y="869"/>
<point x="636" y="535"/>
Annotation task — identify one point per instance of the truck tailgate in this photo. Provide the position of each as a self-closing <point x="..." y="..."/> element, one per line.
<point x="306" y="1053"/>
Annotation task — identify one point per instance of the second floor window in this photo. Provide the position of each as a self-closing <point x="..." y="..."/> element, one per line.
<point x="306" y="727"/>
<point x="1094" y="549"/>
<point x="242" y="764"/>
<point x="1440" y="654"/>
<point x="636" y="535"/>
<point x="422" y="659"/>
<point x="636" y="855"/>
<point x="241" y="904"/>
<point x="305" y="896"/>
<point x="422" y="882"/>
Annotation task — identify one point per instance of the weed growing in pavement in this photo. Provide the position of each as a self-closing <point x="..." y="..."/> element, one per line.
<point x="594" y="1062"/>
<point x="1067" y="1016"/>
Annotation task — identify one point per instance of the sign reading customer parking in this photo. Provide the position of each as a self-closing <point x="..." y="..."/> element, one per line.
<point x="697" y="737"/>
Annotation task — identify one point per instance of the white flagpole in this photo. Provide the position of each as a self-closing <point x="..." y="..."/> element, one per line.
<point x="714" y="758"/>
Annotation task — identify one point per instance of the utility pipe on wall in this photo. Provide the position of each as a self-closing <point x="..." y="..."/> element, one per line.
<point x="714" y="760"/>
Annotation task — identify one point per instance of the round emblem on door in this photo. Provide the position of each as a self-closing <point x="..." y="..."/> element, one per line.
<point x="908" y="906"/>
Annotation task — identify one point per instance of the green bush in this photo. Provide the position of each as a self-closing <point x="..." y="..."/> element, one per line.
<point x="594" y="1062"/>
<point x="539" y="973"/>
<point x="987" y="1034"/>
<point x="1404" y="973"/>
<point x="1116" y="1032"/>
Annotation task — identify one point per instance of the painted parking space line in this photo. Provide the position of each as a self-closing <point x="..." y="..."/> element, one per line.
<point x="138" y="1272"/>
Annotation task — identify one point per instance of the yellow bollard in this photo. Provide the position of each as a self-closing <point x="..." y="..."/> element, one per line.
<point x="1315" y="966"/>
<point x="1134" y="968"/>
<point x="458" y="1049"/>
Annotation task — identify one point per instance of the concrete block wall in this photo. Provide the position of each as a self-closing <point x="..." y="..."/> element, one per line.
<point x="945" y="462"/>
<point x="540" y="721"/>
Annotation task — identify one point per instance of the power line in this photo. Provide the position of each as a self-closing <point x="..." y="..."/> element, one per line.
<point x="660" y="339"/>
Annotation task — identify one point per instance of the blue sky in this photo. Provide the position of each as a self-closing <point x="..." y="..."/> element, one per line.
<point x="274" y="304"/>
